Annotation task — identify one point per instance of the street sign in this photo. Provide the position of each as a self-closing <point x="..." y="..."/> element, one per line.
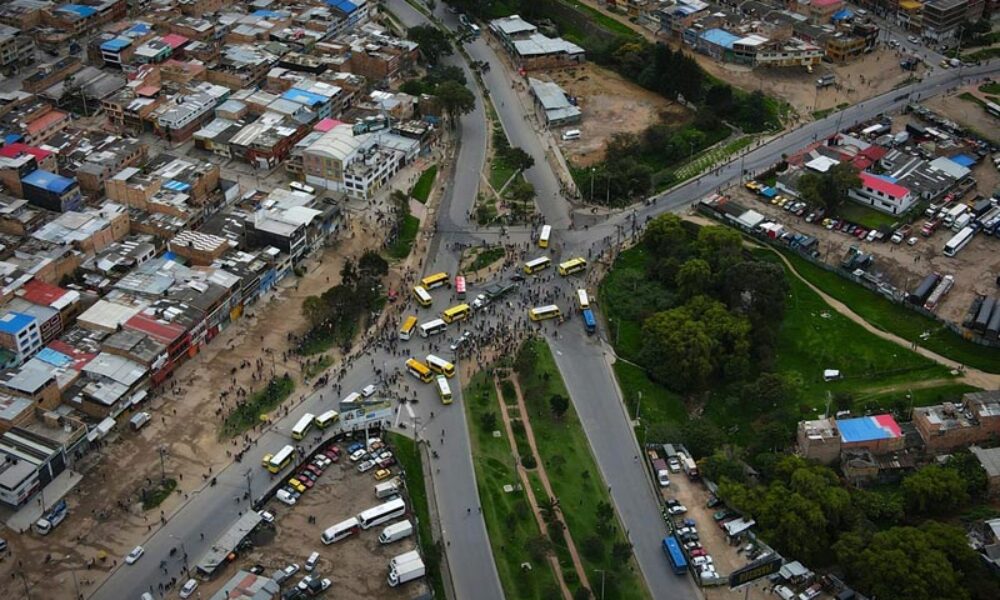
<point x="754" y="571"/>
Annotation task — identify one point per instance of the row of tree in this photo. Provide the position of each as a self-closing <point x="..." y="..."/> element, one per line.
<point x="335" y="313"/>
<point x="446" y="83"/>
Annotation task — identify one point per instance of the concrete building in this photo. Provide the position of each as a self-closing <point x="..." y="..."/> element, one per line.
<point x="945" y="427"/>
<point x="942" y="18"/>
<point x="819" y="440"/>
<point x="882" y="194"/>
<point x="356" y="165"/>
<point x="553" y="103"/>
<point x="990" y="459"/>
<point x="20" y="335"/>
<point x="179" y="121"/>
<point x="532" y="50"/>
<point x="16" y="47"/>
<point x="51" y="191"/>
<point x="879" y="434"/>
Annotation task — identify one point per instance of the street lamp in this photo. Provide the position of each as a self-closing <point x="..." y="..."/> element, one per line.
<point x="602" y="572"/>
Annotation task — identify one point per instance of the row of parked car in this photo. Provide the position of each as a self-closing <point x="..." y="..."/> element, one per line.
<point x="374" y="456"/>
<point x="306" y="478"/>
<point x="310" y="585"/>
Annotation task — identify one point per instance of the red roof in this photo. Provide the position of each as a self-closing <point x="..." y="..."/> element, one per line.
<point x="879" y="184"/>
<point x="45" y="121"/>
<point x="17" y="149"/>
<point x="165" y="333"/>
<point x="174" y="40"/>
<point x="874" y="152"/>
<point x="41" y="293"/>
<point x="861" y="163"/>
<point x="327" y="124"/>
<point x="826" y="2"/>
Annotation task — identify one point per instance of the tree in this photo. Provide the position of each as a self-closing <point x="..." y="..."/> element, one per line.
<point x="518" y="158"/>
<point x="488" y="421"/>
<point x="433" y="43"/>
<point x="769" y="389"/>
<point x="693" y="278"/>
<point x="720" y="246"/>
<point x="456" y="99"/>
<point x="677" y="350"/>
<point x="934" y="490"/>
<point x="315" y="310"/>
<point x="559" y="404"/>
<point x="723" y="464"/>
<point x="621" y="552"/>
<point x="549" y="509"/>
<point x="593" y="548"/>
<point x="829" y="189"/>
<point x="702" y="437"/>
<point x="971" y="471"/>
<point x="373" y="265"/>
<point x="348" y="272"/>
<point x="538" y="547"/>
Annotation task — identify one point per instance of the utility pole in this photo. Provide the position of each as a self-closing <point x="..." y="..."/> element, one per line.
<point x="248" y="474"/>
<point x="601" y="571"/>
<point x="163" y="473"/>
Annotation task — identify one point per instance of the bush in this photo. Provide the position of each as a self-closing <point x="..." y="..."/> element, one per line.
<point x="528" y="462"/>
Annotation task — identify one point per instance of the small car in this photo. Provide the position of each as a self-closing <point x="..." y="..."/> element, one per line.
<point x="257" y="569"/>
<point x="368" y="391"/>
<point x="305" y="480"/>
<point x="134" y="555"/>
<point x="385" y="462"/>
<point x="677" y="509"/>
<point x="189" y="587"/>
<point x="354" y="447"/>
<point x="297" y="485"/>
<point x="313" y="468"/>
<point x="697" y="552"/>
<point x="333" y="453"/>
<point x="382" y="474"/>
<point x="911" y="242"/>
<point x="366" y="466"/>
<point x="321" y="462"/>
<point x="290" y="570"/>
<point x="266" y="516"/>
<point x="358" y="454"/>
<point x="287" y="495"/>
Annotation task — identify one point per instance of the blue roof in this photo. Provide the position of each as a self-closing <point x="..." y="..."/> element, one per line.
<point x="964" y="160"/>
<point x="13" y="322"/>
<point x="864" y="429"/>
<point x="303" y="97"/>
<point x="82" y="11"/>
<point x="343" y="5"/>
<point x="12" y="138"/>
<point x="720" y="37"/>
<point x="177" y="186"/>
<point x="888" y="178"/>
<point x="769" y="192"/>
<point x="116" y="44"/>
<point x="53" y="357"/>
<point x="139" y="28"/>
<point x="842" y="14"/>
<point x="265" y="13"/>
<point x="49" y="181"/>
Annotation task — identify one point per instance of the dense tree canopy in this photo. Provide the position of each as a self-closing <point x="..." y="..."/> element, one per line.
<point x="433" y="43"/>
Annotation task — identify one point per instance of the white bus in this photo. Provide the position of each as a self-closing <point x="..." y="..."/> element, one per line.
<point x="326" y="419"/>
<point x="351" y="401"/>
<point x="386" y="511"/>
<point x="340" y="531"/>
<point x="302" y="427"/>
<point x="959" y="241"/>
<point x="440" y="365"/>
<point x="432" y="327"/>
<point x="543" y="237"/>
<point x="582" y="299"/>
<point x="444" y="390"/>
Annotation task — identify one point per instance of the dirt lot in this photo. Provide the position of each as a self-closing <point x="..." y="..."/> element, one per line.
<point x="105" y="511"/>
<point x="610" y="105"/>
<point x="966" y="112"/>
<point x="357" y="566"/>
<point x="906" y="265"/>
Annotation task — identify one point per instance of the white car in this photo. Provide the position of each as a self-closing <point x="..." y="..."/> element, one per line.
<point x="266" y="516"/>
<point x="286" y="497"/>
<point x="663" y="479"/>
<point x="913" y="39"/>
<point x="366" y="466"/>
<point x="357" y="454"/>
<point x="911" y="242"/>
<point x="368" y="390"/>
<point x="702" y="560"/>
<point x="134" y="555"/>
<point x="189" y="587"/>
<point x="460" y="341"/>
<point x="290" y="570"/>
<point x="677" y="509"/>
<point x="304" y="583"/>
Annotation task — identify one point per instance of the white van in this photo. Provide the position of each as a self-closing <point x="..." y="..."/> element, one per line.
<point x="387" y="489"/>
<point x="311" y="562"/>
<point x="189" y="587"/>
<point x="139" y="419"/>
<point x="571" y="134"/>
<point x="395" y="532"/>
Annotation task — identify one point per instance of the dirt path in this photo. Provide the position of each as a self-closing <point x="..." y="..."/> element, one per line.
<point x="526" y="484"/>
<point x="905" y="387"/>
<point x="971" y="376"/>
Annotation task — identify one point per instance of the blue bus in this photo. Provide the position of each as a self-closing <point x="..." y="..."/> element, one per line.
<point x="672" y="548"/>
<point x="589" y="321"/>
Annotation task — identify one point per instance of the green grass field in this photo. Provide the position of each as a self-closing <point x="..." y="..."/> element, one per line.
<point x="574" y="476"/>
<point x="422" y="188"/>
<point x="509" y="522"/>
<point x="400" y="249"/>
<point x="409" y="459"/>
<point x="862" y="215"/>
<point x="486" y="257"/>
<point x="896" y="319"/>
<point x="706" y="159"/>
<point x="605" y="21"/>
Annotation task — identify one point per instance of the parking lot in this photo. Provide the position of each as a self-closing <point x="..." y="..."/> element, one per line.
<point x="901" y="264"/>
<point x="357" y="566"/>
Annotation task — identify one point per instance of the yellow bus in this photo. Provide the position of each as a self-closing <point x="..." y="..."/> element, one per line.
<point x="543" y="237"/>
<point x="573" y="265"/>
<point x="440" y="366"/>
<point x="423" y="298"/>
<point x="419" y="370"/>
<point x="582" y="299"/>
<point x="326" y="419"/>
<point x="276" y="462"/>
<point x="436" y="280"/>
<point x="444" y="390"/>
<point x="302" y="427"/>
<point x="536" y="265"/>
<point x="406" y="331"/>
<point x="540" y="313"/>
<point x="458" y="312"/>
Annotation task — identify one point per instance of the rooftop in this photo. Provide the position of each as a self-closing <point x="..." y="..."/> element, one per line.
<point x="864" y="429"/>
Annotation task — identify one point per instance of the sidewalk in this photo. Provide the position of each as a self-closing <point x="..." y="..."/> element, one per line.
<point x="53" y="492"/>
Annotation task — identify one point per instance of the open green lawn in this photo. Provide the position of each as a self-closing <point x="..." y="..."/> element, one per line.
<point x="409" y="459"/>
<point x="422" y="188"/>
<point x="706" y="159"/>
<point x="509" y="521"/>
<point x="575" y="478"/>
<point x="485" y="257"/>
<point x="862" y="215"/>
<point x="605" y="21"/>
<point x="400" y="249"/>
<point x="248" y="414"/>
<point x="896" y="319"/>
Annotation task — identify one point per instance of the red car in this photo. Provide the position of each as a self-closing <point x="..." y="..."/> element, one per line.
<point x="305" y="480"/>
<point x="314" y="469"/>
<point x="333" y="453"/>
<point x="697" y="552"/>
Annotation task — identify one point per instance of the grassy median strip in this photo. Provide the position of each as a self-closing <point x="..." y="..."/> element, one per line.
<point x="514" y="534"/>
<point x="407" y="235"/>
<point x="581" y="492"/>
<point x="893" y="318"/>
<point x="248" y="413"/>
<point x="409" y="459"/>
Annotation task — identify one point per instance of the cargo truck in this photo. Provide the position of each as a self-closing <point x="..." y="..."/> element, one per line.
<point x="50" y="520"/>
<point x="402" y="558"/>
<point x="405" y="572"/>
